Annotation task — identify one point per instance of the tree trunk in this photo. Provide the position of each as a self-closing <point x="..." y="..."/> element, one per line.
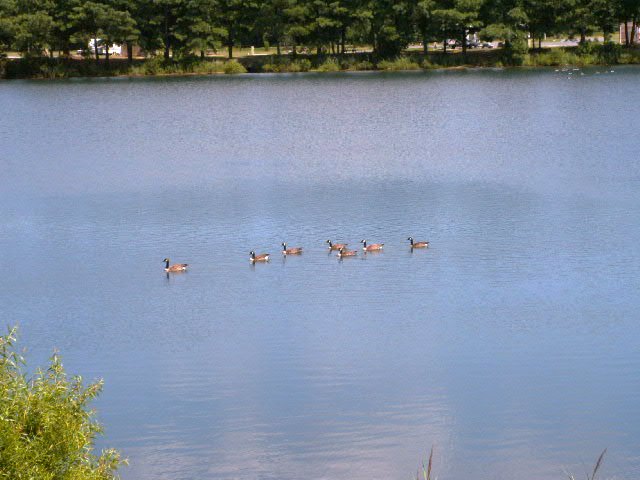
<point x="201" y="54"/>
<point x="632" y="40"/>
<point x="343" y="40"/>
<point x="425" y="43"/>
<point x="230" y="50"/>
<point x="583" y="36"/>
<point x="464" y="41"/>
<point x="95" y="49"/>
<point x="130" y="53"/>
<point x="230" y="41"/>
<point x="167" y="41"/>
<point x="278" y="52"/>
<point x="540" y="42"/>
<point x="106" y="55"/>
<point x="444" y="46"/>
<point x="626" y="33"/>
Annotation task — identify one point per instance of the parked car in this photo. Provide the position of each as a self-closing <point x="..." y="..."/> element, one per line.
<point x="472" y="44"/>
<point x="487" y="45"/>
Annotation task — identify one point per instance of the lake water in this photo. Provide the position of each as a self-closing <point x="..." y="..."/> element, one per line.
<point x="512" y="344"/>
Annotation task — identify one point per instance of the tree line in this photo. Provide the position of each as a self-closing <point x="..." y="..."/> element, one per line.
<point x="180" y="28"/>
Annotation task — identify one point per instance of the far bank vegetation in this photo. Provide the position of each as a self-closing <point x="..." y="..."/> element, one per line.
<point x="66" y="38"/>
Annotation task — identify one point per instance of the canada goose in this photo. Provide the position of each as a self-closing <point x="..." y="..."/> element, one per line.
<point x="176" y="267"/>
<point x="263" y="257"/>
<point x="336" y="246"/>
<point x="418" y="244"/>
<point x="374" y="247"/>
<point x="290" y="251"/>
<point x="343" y="252"/>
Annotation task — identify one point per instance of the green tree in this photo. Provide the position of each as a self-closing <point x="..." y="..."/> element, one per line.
<point x="236" y="17"/>
<point x="605" y="15"/>
<point x="274" y="20"/>
<point x="196" y="29"/>
<point x="296" y="28"/>
<point x="545" y="17"/>
<point x="424" y="21"/>
<point x="389" y="25"/>
<point x="580" y="18"/>
<point x="506" y="20"/>
<point x="457" y="18"/>
<point x="64" y="27"/>
<point x="7" y="24"/>
<point x="47" y="430"/>
<point x="32" y="32"/>
<point x="629" y="12"/>
<point x="104" y="25"/>
<point x="117" y="27"/>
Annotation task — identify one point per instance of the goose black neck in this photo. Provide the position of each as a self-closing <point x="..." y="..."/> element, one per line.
<point x="166" y="264"/>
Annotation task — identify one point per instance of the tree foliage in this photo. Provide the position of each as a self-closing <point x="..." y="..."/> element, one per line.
<point x="47" y="430"/>
<point x="179" y="28"/>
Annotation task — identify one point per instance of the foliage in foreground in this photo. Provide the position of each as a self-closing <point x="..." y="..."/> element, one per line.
<point x="585" y="55"/>
<point x="46" y="428"/>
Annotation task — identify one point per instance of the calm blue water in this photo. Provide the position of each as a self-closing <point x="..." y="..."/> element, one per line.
<point x="511" y="344"/>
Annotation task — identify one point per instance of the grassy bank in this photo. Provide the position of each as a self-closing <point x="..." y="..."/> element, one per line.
<point x="590" y="54"/>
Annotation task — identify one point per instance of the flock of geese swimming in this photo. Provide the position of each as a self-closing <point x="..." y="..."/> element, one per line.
<point x="341" y="248"/>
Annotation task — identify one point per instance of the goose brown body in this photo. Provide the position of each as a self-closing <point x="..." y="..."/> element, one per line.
<point x="343" y="252"/>
<point x="176" y="267"/>
<point x="290" y="251"/>
<point x="336" y="246"/>
<point x="418" y="244"/>
<point x="374" y="247"/>
<point x="263" y="257"/>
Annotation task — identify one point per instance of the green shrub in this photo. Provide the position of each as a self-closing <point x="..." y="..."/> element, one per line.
<point x="555" y="57"/>
<point x="47" y="430"/>
<point x="302" y="65"/>
<point x="587" y="48"/>
<point x="153" y="66"/>
<point x="206" y="66"/>
<point x="330" y="65"/>
<point x="400" y="63"/>
<point x="426" y="64"/>
<point x="354" y="65"/>
<point x="233" y="67"/>
<point x="53" y="70"/>
<point x="610" y="52"/>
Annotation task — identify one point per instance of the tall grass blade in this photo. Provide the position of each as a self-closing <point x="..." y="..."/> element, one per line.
<point x="598" y="464"/>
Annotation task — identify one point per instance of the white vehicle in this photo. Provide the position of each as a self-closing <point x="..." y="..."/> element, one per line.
<point x="113" y="49"/>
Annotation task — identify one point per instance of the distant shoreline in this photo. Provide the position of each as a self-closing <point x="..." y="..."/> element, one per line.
<point x="60" y="68"/>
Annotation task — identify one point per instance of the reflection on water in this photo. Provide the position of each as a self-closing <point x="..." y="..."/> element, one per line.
<point x="510" y="343"/>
